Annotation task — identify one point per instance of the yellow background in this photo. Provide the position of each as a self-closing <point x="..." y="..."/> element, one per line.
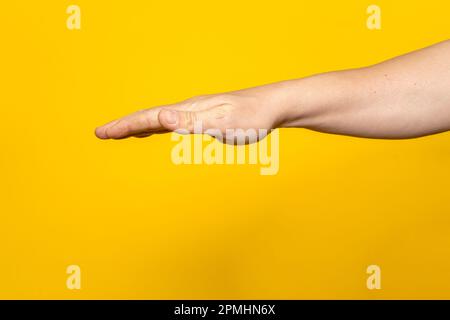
<point x="140" y="226"/>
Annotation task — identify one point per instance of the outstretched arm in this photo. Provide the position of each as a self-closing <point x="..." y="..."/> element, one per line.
<point x="405" y="97"/>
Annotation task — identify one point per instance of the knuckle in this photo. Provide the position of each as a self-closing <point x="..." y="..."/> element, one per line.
<point x="147" y="118"/>
<point x="122" y="128"/>
<point x="190" y="118"/>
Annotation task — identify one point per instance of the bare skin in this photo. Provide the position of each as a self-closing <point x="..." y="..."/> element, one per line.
<point x="405" y="97"/>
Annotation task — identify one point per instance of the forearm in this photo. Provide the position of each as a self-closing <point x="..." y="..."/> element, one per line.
<point x="405" y="97"/>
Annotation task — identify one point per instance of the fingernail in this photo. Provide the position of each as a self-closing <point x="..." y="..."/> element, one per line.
<point x="171" y="116"/>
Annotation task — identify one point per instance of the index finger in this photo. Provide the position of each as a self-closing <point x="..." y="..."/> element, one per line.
<point x="139" y="123"/>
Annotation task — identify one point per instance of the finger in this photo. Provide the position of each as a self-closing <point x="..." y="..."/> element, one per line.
<point x="188" y="121"/>
<point x="140" y="122"/>
<point x="150" y="133"/>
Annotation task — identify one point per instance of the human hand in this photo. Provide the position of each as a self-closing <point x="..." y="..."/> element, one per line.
<point x="254" y="108"/>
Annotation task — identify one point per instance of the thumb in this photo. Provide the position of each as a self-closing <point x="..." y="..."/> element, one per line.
<point x="187" y="121"/>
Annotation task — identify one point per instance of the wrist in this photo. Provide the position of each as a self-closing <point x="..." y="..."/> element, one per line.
<point x="307" y="102"/>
